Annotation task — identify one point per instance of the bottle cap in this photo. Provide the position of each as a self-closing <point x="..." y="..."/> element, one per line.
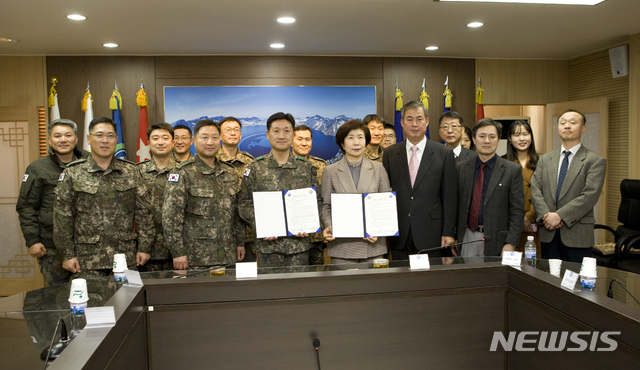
<point x="529" y="237"/>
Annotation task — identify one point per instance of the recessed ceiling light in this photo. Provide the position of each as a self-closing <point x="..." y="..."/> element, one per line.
<point x="110" y="45"/>
<point x="6" y="39"/>
<point x="76" y="17"/>
<point x="562" y="2"/>
<point x="277" y="46"/>
<point x="475" y="24"/>
<point x="432" y="48"/>
<point x="286" y="20"/>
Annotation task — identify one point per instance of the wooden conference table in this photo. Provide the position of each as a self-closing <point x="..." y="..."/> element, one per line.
<point x="365" y="318"/>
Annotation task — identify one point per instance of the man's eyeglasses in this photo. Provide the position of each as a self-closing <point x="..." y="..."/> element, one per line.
<point x="229" y="130"/>
<point x="453" y="127"/>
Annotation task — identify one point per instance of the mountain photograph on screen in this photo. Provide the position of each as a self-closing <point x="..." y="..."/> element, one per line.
<point x="322" y="108"/>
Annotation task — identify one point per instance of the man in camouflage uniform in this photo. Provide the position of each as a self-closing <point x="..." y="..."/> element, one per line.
<point x="97" y="201"/>
<point x="230" y="135"/>
<point x="302" y="143"/>
<point x="155" y="173"/>
<point x="276" y="171"/>
<point x="35" y="202"/>
<point x="182" y="140"/>
<point x="200" y="212"/>
<point x="375" y="123"/>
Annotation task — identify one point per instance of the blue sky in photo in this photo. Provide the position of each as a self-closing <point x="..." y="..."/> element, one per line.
<point x="262" y="101"/>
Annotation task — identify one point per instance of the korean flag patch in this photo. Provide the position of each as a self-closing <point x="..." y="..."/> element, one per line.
<point x="25" y="177"/>
<point x="247" y="171"/>
<point x="174" y="177"/>
<point x="61" y="178"/>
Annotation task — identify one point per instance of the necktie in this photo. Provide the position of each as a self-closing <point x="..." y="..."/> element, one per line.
<point x="413" y="164"/>
<point x="563" y="173"/>
<point x="476" y="199"/>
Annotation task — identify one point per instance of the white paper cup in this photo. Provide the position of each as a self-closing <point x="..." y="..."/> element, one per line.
<point x="119" y="262"/>
<point x="78" y="292"/>
<point x="555" y="265"/>
<point x="589" y="267"/>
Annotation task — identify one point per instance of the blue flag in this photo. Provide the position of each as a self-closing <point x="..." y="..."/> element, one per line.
<point x="397" y="118"/>
<point x="115" y="116"/>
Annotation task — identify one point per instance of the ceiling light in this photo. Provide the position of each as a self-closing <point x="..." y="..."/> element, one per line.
<point x="562" y="2"/>
<point x="431" y="48"/>
<point x="110" y="45"/>
<point x="6" y="39"/>
<point x="277" y="46"/>
<point x="475" y="24"/>
<point x="76" y="17"/>
<point x="286" y="20"/>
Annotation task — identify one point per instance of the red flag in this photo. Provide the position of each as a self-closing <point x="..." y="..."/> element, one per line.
<point x="142" y="154"/>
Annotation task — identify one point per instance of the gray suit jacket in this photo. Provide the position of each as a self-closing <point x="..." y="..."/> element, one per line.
<point x="337" y="179"/>
<point x="503" y="208"/>
<point x="580" y="193"/>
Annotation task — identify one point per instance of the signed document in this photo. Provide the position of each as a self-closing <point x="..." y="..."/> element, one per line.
<point x="346" y="216"/>
<point x="380" y="214"/>
<point x="269" y="214"/>
<point x="302" y="211"/>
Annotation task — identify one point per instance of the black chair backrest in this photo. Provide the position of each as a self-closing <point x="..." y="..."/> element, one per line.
<point x="629" y="212"/>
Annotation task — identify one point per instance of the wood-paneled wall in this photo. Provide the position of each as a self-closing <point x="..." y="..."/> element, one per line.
<point x="409" y="73"/>
<point x="634" y="106"/>
<point x="589" y="76"/>
<point x="23" y="81"/>
<point x="523" y="82"/>
<point x="73" y="73"/>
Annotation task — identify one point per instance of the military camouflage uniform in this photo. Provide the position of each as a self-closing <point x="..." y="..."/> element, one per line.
<point x="265" y="174"/>
<point x="200" y="213"/>
<point x="94" y="214"/>
<point x="316" y="254"/>
<point x="173" y="156"/>
<point x="35" y="211"/>
<point x="156" y="180"/>
<point x="239" y="163"/>
<point x="368" y="153"/>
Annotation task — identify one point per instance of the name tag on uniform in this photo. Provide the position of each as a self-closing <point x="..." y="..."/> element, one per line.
<point x="174" y="177"/>
<point x="25" y="177"/>
<point x="247" y="171"/>
<point x="61" y="178"/>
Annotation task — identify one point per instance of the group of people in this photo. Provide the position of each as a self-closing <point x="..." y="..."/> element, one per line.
<point x="182" y="211"/>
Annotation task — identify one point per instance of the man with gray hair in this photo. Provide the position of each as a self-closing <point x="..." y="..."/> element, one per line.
<point x="35" y="202"/>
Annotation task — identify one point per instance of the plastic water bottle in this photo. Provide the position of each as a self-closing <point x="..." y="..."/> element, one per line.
<point x="530" y="251"/>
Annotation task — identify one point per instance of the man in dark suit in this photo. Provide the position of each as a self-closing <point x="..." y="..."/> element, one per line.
<point x="451" y="128"/>
<point x="490" y="196"/>
<point x="423" y="175"/>
<point x="564" y="189"/>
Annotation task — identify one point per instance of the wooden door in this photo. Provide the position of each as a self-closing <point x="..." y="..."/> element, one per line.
<point x="18" y="147"/>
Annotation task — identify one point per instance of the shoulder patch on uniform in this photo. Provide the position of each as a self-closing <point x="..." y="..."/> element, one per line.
<point x="174" y="177"/>
<point x="61" y="177"/>
<point x="260" y="158"/>
<point x="300" y="158"/>
<point x="247" y="171"/>
<point x="25" y="177"/>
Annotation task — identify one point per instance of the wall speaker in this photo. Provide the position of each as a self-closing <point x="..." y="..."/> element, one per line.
<point x="619" y="58"/>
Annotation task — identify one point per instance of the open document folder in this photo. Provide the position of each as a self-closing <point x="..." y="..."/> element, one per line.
<point x="364" y="215"/>
<point x="285" y="213"/>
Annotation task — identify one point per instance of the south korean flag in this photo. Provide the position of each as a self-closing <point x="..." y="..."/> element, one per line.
<point x="174" y="177"/>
